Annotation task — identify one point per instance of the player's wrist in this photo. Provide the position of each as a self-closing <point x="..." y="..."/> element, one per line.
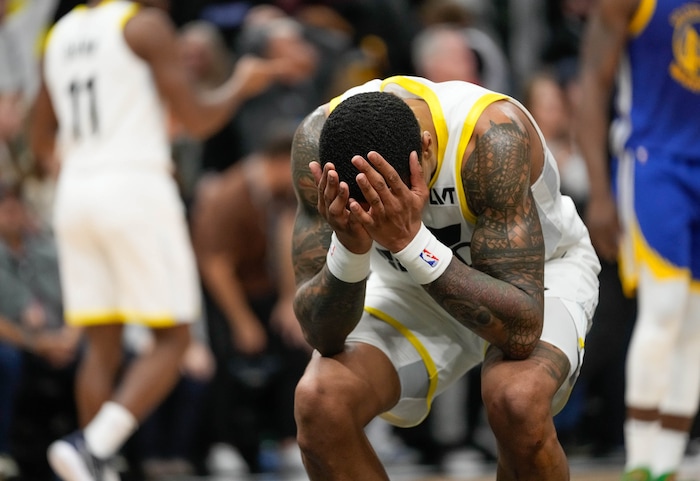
<point x="344" y="264"/>
<point x="425" y="257"/>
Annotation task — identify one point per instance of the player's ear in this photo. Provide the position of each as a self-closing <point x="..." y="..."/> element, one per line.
<point x="426" y="141"/>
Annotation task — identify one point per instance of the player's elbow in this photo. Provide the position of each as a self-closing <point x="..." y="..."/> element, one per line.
<point x="322" y="330"/>
<point x="523" y="340"/>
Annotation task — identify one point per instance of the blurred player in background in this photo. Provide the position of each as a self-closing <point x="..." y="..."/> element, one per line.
<point x="648" y="216"/>
<point x="110" y="71"/>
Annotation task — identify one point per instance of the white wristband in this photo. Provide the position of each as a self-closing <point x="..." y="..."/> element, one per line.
<point x="425" y="257"/>
<point x="345" y="265"/>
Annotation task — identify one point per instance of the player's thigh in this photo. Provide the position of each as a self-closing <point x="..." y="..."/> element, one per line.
<point x="666" y="210"/>
<point x="427" y="347"/>
<point x="86" y="280"/>
<point x="152" y="257"/>
<point x="360" y="379"/>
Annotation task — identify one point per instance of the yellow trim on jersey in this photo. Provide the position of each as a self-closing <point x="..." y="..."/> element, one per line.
<point x="40" y="43"/>
<point x="422" y="351"/>
<point x="45" y="40"/>
<point x="130" y="12"/>
<point x="464" y="138"/>
<point x="643" y="253"/>
<point x="85" y="318"/>
<point x="334" y="102"/>
<point x="424" y="92"/>
<point x="642" y="16"/>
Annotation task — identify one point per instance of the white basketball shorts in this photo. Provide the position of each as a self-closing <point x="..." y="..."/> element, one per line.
<point x="124" y="249"/>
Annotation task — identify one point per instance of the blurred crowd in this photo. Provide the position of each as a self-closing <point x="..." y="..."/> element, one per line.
<point x="232" y="411"/>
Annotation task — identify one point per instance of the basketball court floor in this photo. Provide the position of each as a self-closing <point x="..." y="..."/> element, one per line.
<point x="582" y="469"/>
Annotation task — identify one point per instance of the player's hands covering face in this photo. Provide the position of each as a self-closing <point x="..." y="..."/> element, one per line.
<point x="333" y="198"/>
<point x="392" y="216"/>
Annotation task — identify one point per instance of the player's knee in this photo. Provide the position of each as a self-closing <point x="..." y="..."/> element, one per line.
<point x="521" y="406"/>
<point x="321" y="409"/>
<point x="177" y="338"/>
<point x="320" y="401"/>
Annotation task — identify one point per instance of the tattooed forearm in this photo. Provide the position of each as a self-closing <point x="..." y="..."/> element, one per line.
<point x="504" y="288"/>
<point x="327" y="308"/>
<point x="501" y="313"/>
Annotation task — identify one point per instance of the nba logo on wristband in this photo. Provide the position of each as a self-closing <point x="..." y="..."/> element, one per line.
<point x="432" y="259"/>
<point x="429" y="258"/>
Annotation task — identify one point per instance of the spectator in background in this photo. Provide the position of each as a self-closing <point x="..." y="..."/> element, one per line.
<point x="241" y="224"/>
<point x="37" y="351"/>
<point x="124" y="246"/>
<point x="270" y="33"/>
<point x="646" y="209"/>
<point x="22" y="26"/>
<point x="442" y="21"/>
<point x="546" y="99"/>
<point x="442" y="52"/>
<point x="209" y="62"/>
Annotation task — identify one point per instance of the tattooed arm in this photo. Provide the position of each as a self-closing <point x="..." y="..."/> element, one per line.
<point x="505" y="301"/>
<point x="327" y="308"/>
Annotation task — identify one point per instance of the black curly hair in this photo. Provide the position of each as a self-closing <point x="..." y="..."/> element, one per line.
<point x="368" y="121"/>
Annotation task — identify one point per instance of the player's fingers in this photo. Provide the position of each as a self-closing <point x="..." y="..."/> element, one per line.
<point x="374" y="178"/>
<point x="321" y="179"/>
<point x="359" y="214"/>
<point x="372" y="196"/>
<point x="316" y="171"/>
<point x="389" y="175"/>
<point x="338" y="201"/>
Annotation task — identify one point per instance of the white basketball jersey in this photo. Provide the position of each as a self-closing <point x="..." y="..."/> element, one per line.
<point x="455" y="108"/>
<point x="104" y="96"/>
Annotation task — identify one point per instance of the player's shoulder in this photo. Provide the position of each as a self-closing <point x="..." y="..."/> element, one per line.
<point x="501" y="111"/>
<point x="148" y="19"/>
<point x="148" y="30"/>
<point x="309" y="129"/>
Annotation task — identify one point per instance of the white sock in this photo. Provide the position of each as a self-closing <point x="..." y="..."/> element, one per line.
<point x="109" y="430"/>
<point x="668" y="451"/>
<point x="640" y="442"/>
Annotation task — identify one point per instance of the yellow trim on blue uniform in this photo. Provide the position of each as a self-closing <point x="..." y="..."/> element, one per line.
<point x="643" y="253"/>
<point x="424" y="92"/>
<point x="84" y="318"/>
<point x="642" y="16"/>
<point x="422" y="351"/>
<point x="464" y="138"/>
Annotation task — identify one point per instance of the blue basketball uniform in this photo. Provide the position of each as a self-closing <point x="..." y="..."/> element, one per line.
<point x="656" y="141"/>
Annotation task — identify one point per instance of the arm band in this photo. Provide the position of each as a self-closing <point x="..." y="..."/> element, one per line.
<point x="345" y="265"/>
<point x="425" y="257"/>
